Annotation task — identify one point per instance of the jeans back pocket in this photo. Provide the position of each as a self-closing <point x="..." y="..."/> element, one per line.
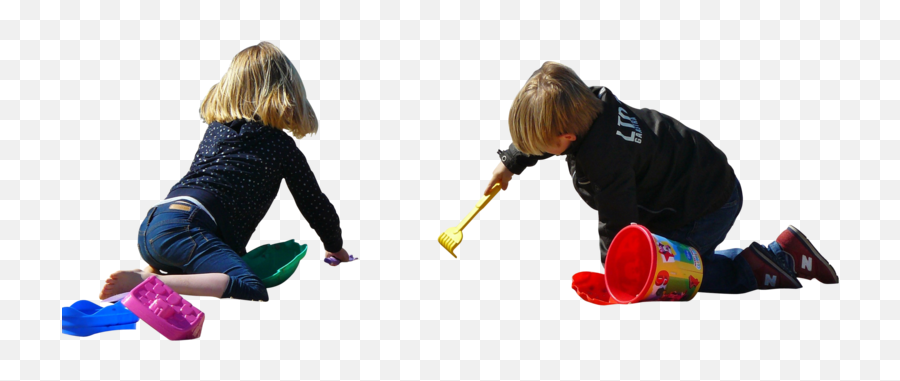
<point x="169" y="237"/>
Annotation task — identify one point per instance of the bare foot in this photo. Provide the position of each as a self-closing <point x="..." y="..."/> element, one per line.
<point x="122" y="281"/>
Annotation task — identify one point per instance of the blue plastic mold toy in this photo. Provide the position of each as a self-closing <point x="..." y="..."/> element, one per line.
<point x="85" y="318"/>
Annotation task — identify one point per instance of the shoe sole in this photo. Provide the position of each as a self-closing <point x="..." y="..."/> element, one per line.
<point x="756" y="249"/>
<point x="812" y="249"/>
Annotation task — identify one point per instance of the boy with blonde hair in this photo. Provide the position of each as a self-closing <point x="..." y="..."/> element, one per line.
<point x="642" y="166"/>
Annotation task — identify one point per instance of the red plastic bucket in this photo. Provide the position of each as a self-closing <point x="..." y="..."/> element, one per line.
<point x="642" y="266"/>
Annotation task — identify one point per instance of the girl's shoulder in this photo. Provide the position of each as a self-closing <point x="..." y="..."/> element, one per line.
<point x="281" y="136"/>
<point x="216" y="130"/>
<point x="245" y="129"/>
<point x="282" y="141"/>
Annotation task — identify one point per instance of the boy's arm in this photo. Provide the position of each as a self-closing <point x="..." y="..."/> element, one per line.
<point x="615" y="193"/>
<point x="516" y="161"/>
<point x="312" y="203"/>
<point x="616" y="209"/>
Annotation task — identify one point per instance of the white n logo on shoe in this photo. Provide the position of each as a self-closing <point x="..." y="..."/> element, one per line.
<point x="806" y="263"/>
<point x="770" y="280"/>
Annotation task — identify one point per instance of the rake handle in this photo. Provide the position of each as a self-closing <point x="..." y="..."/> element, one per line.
<point x="480" y="205"/>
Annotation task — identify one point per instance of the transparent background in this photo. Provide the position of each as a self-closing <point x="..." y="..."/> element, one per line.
<point x="99" y="106"/>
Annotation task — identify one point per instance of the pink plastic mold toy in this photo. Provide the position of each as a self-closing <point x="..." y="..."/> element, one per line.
<point x="164" y="310"/>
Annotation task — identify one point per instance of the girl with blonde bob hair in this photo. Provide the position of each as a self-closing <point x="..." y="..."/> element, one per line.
<point x="263" y="85"/>
<point x="195" y="238"/>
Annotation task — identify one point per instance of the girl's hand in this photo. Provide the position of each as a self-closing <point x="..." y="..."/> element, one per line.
<point x="501" y="175"/>
<point x="340" y="256"/>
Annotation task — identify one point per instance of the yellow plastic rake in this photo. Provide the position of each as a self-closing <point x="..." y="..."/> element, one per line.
<point x="451" y="238"/>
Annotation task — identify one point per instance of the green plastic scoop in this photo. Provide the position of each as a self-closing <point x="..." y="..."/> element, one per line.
<point x="274" y="264"/>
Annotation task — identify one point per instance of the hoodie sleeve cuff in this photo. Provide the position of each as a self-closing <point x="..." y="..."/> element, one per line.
<point x="510" y="162"/>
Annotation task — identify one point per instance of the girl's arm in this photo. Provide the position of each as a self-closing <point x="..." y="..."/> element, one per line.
<point x="614" y="187"/>
<point x="312" y="203"/>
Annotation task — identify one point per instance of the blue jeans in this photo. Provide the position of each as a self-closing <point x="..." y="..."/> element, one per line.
<point x="178" y="238"/>
<point x="724" y="271"/>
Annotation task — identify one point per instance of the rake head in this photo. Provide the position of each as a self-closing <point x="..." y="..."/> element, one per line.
<point x="450" y="239"/>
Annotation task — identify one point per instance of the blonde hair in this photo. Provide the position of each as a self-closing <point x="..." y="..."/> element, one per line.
<point x="554" y="101"/>
<point x="262" y="85"/>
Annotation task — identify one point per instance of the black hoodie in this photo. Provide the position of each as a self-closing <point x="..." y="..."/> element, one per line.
<point x="639" y="165"/>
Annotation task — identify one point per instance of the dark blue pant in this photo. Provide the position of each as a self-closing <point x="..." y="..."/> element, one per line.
<point x="178" y="238"/>
<point x="724" y="271"/>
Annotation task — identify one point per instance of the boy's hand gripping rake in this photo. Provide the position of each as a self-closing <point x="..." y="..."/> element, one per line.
<point x="451" y="238"/>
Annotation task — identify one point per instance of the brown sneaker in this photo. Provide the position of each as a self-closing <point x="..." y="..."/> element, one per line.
<point x="808" y="262"/>
<point x="770" y="271"/>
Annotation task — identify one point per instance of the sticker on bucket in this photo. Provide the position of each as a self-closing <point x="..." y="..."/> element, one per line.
<point x="678" y="271"/>
<point x="641" y="266"/>
<point x="696" y="256"/>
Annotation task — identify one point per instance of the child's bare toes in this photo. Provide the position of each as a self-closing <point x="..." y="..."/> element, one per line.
<point x="122" y="281"/>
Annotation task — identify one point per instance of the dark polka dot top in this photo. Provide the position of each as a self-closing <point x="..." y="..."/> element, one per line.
<point x="236" y="175"/>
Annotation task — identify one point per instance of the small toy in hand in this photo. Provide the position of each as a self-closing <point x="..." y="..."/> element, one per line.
<point x="334" y="261"/>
